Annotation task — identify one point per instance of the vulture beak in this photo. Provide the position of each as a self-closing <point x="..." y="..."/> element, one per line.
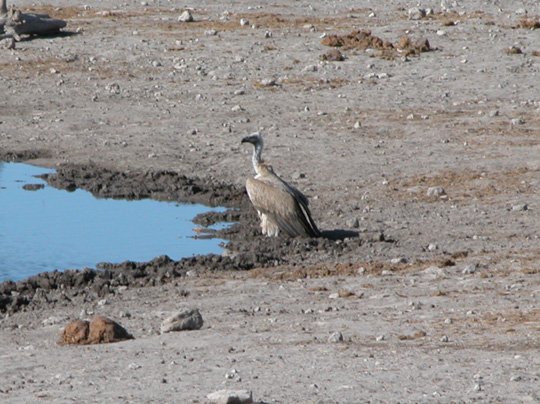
<point x="253" y="139"/>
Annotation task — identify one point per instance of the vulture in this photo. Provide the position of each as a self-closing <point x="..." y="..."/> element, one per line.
<point x="281" y="207"/>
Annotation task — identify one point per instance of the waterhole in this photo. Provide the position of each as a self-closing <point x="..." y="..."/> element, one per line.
<point x="43" y="228"/>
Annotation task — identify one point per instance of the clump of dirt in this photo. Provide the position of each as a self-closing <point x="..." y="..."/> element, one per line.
<point x="131" y="185"/>
<point x="513" y="50"/>
<point x="529" y="23"/>
<point x="100" y="330"/>
<point x="333" y="55"/>
<point x="22" y="155"/>
<point x="363" y="39"/>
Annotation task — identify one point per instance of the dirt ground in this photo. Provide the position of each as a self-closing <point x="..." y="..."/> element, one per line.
<point x="422" y="168"/>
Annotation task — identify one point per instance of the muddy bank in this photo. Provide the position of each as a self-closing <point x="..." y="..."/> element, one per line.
<point x="245" y="248"/>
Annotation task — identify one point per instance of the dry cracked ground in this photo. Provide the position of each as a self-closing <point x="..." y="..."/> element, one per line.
<point x="423" y="170"/>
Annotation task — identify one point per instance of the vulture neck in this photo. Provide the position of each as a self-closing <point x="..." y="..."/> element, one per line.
<point x="257" y="160"/>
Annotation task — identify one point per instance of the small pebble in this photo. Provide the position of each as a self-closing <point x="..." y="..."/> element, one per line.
<point x="469" y="269"/>
<point x="244" y="22"/>
<point x="186" y="16"/>
<point x="416" y="13"/>
<point x="335" y="337"/>
<point x="520" y="207"/>
<point x="436" y="191"/>
<point x="517" y="121"/>
<point x="380" y="338"/>
<point x="444" y="338"/>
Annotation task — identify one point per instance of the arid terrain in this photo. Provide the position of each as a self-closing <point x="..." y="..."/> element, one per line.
<point x="417" y="140"/>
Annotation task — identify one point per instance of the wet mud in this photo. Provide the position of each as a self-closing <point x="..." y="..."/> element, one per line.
<point x="245" y="247"/>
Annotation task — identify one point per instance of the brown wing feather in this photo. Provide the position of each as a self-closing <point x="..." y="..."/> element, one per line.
<point x="273" y="197"/>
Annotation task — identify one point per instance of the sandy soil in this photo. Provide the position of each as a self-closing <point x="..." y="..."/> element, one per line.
<point x="436" y="296"/>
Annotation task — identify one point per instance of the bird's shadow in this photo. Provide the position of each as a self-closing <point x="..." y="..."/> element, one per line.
<point x="339" y="234"/>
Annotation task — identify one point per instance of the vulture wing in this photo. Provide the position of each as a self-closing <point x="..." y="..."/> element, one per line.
<point x="283" y="204"/>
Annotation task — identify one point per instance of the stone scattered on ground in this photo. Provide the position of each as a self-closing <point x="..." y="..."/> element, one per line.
<point x="231" y="397"/>
<point x="100" y="330"/>
<point x="188" y="319"/>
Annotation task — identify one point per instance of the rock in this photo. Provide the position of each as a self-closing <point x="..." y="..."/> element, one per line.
<point x="333" y="55"/>
<point x="104" y="330"/>
<point x="8" y="43"/>
<point x="189" y="319"/>
<point x="99" y="330"/>
<point x="210" y="32"/>
<point x="335" y="337"/>
<point x="494" y="113"/>
<point x="231" y="397"/>
<point x="469" y="269"/>
<point x="244" y="22"/>
<point x="186" y="16"/>
<point x="416" y="13"/>
<point x="436" y="191"/>
<point x="517" y="121"/>
<point x="32" y="187"/>
<point x="75" y="332"/>
<point x="268" y="82"/>
<point x="434" y="272"/>
<point x="298" y="175"/>
<point x="520" y="207"/>
<point x="353" y="223"/>
<point x="444" y="338"/>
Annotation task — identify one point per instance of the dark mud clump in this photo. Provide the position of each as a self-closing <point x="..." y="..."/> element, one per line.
<point x="22" y="155"/>
<point x="159" y="185"/>
<point x="364" y="39"/>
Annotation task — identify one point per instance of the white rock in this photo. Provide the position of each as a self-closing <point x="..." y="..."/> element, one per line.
<point x="520" y="207"/>
<point x="335" y="337"/>
<point x="231" y="397"/>
<point x="436" y="191"/>
<point x="416" y="13"/>
<point x="357" y="125"/>
<point x="185" y="16"/>
<point x="189" y="319"/>
<point x="244" y="21"/>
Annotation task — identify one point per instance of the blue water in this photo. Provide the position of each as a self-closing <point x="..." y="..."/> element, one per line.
<point x="52" y="229"/>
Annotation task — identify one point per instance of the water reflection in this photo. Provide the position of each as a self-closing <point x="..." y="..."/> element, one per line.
<point x="52" y="229"/>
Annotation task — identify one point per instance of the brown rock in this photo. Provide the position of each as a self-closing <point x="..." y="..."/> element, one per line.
<point x="333" y="55"/>
<point x="100" y="330"/>
<point x="104" y="330"/>
<point x="75" y="332"/>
